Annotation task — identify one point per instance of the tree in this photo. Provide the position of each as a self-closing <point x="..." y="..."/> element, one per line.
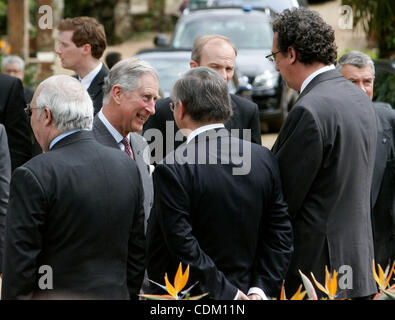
<point x="378" y="20"/>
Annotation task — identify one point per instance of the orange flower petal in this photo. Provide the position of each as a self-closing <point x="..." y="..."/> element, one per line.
<point x="319" y="285"/>
<point x="170" y="289"/>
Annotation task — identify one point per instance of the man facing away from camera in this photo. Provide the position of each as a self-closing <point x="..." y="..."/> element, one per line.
<point x="326" y="150"/>
<point x="75" y="214"/>
<point x="218" y="202"/>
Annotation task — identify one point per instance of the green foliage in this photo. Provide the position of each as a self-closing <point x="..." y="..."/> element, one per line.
<point x="378" y="20"/>
<point x="384" y="88"/>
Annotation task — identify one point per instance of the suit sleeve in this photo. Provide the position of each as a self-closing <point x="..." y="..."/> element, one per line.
<point x="23" y="237"/>
<point x="299" y="151"/>
<point x="17" y="126"/>
<point x="5" y="176"/>
<point x="136" y="246"/>
<point x="256" y="127"/>
<point x="275" y="244"/>
<point x="172" y="209"/>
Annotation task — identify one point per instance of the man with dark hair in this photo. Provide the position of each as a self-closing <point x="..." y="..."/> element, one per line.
<point x="219" y="53"/>
<point x="82" y="41"/>
<point x="359" y="69"/>
<point x="218" y="201"/>
<point x="14" y="119"/>
<point x="112" y="58"/>
<point x="326" y="150"/>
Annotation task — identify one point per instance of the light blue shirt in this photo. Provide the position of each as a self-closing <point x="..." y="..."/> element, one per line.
<point x="114" y="132"/>
<point x="63" y="135"/>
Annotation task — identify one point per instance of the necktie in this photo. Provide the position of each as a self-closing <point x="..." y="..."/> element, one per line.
<point x="128" y="148"/>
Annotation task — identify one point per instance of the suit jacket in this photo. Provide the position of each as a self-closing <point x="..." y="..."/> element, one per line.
<point x="5" y="176"/>
<point x="95" y="89"/>
<point x="79" y="210"/>
<point x="232" y="228"/>
<point x="326" y="151"/>
<point x="383" y="187"/>
<point x="245" y="116"/>
<point x="138" y="145"/>
<point x="14" y="119"/>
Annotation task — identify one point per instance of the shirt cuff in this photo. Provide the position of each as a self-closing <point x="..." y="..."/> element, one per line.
<point x="257" y="291"/>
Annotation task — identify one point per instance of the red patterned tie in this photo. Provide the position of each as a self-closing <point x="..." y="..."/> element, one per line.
<point x="128" y="148"/>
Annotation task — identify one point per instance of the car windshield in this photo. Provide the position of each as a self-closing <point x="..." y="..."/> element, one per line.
<point x="169" y="71"/>
<point x="246" y="33"/>
<point x="277" y="6"/>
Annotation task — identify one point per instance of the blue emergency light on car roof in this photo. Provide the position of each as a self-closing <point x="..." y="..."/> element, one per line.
<point x="247" y="8"/>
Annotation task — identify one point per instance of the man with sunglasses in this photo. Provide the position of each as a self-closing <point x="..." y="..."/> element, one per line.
<point x="326" y="150"/>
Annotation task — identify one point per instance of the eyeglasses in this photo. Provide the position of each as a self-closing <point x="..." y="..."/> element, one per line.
<point x="28" y="109"/>
<point x="272" y="57"/>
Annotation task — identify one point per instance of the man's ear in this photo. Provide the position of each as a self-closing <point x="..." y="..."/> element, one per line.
<point x="47" y="117"/>
<point x="292" y="55"/>
<point x="116" y="92"/>
<point x="86" y="49"/>
<point x="182" y="110"/>
<point x="193" y="64"/>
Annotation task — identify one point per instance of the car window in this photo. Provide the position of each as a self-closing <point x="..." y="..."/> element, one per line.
<point x="245" y="33"/>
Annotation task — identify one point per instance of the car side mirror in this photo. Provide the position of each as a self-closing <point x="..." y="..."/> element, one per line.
<point x="160" y="40"/>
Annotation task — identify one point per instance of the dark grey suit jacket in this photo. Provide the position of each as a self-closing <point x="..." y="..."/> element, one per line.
<point x="383" y="187"/>
<point x="326" y="151"/>
<point x="138" y="145"/>
<point x="232" y="229"/>
<point x="5" y="177"/>
<point x="95" y="89"/>
<point x="14" y="119"/>
<point x="245" y="116"/>
<point x="78" y="209"/>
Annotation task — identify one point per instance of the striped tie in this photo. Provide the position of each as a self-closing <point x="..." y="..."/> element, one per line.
<point x="128" y="148"/>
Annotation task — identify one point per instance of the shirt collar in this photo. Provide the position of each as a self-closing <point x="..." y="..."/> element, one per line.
<point x="62" y="136"/>
<point x="87" y="80"/>
<point x="114" y="132"/>
<point x="202" y="129"/>
<point x="314" y="74"/>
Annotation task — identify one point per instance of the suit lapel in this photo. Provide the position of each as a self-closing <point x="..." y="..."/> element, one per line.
<point x="97" y="82"/>
<point x="102" y="134"/>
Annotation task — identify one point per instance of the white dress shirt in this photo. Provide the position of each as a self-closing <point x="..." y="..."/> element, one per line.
<point x="87" y="80"/>
<point x="314" y="74"/>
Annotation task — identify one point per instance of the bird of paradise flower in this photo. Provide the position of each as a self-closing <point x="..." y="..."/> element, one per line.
<point x="174" y="292"/>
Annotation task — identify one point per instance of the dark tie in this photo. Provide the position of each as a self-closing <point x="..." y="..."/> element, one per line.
<point x="128" y="148"/>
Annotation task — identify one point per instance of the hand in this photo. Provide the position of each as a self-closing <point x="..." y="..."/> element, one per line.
<point x="242" y="296"/>
<point x="254" y="296"/>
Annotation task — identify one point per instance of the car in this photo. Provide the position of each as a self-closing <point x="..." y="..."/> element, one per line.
<point x="250" y="30"/>
<point x="170" y="65"/>
<point x="277" y="6"/>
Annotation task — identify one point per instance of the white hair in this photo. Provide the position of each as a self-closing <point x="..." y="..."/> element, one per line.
<point x="127" y="73"/>
<point x="13" y="59"/>
<point x="357" y="59"/>
<point x="69" y="102"/>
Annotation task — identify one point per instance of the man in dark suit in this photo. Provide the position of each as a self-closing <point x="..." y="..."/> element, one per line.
<point x="218" y="201"/>
<point x="218" y="53"/>
<point x="14" y="120"/>
<point x="359" y="69"/>
<point x="130" y="92"/>
<point x="326" y="151"/>
<point x="74" y="227"/>
<point x="5" y="176"/>
<point x="82" y="41"/>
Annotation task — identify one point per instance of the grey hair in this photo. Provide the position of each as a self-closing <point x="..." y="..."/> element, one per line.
<point x="127" y="74"/>
<point x="204" y="94"/>
<point x="13" y="59"/>
<point x="68" y="100"/>
<point x="357" y="59"/>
